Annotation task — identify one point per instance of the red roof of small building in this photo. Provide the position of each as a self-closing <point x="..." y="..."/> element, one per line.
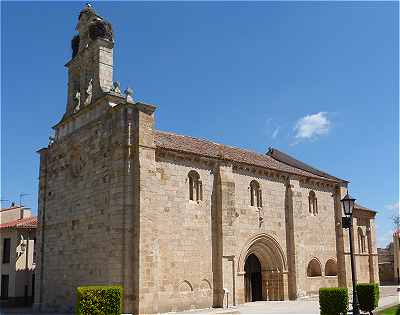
<point x="25" y="223"/>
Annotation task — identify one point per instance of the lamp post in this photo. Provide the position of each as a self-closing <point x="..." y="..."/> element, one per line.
<point x="347" y="223"/>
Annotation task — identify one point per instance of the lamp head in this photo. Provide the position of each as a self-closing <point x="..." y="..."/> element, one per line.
<point x="348" y="204"/>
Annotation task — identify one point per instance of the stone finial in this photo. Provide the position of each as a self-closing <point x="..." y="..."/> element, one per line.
<point x="77" y="101"/>
<point x="101" y="29"/>
<point x="129" y="94"/>
<point x="88" y="9"/>
<point x="89" y="92"/>
<point x="116" y="88"/>
<point x="92" y="26"/>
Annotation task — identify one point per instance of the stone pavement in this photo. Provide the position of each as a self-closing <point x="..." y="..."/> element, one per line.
<point x="389" y="296"/>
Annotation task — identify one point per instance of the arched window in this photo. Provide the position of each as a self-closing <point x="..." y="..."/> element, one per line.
<point x="312" y="203"/>
<point x="331" y="268"/>
<point x="361" y="240"/>
<point x="255" y="194"/>
<point x="314" y="268"/>
<point x="195" y="186"/>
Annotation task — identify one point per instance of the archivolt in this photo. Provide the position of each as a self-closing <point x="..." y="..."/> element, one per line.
<point x="267" y="250"/>
<point x="185" y="286"/>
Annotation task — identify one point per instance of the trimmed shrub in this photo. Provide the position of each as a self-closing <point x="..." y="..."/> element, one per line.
<point x="100" y="300"/>
<point x="333" y="301"/>
<point x="368" y="296"/>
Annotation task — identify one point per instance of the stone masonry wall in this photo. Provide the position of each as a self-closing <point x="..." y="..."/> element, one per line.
<point x="81" y="211"/>
<point x="184" y="229"/>
<point x="314" y="236"/>
<point x="184" y="255"/>
<point x="247" y="224"/>
<point x="114" y="209"/>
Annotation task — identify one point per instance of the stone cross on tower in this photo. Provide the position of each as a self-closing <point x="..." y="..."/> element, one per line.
<point x="90" y="70"/>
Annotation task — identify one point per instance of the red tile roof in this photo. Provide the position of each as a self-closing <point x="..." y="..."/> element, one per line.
<point x="174" y="142"/>
<point x="360" y="207"/>
<point x="25" y="223"/>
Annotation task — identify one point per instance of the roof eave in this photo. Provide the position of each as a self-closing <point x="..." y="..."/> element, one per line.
<point x="252" y="165"/>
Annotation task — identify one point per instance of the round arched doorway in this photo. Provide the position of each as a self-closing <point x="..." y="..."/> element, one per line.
<point x="263" y="265"/>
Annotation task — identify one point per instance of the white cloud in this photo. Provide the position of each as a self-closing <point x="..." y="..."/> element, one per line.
<point x="312" y="126"/>
<point x="393" y="206"/>
<point x="275" y="133"/>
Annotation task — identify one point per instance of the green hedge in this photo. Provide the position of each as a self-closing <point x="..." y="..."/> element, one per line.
<point x="99" y="300"/>
<point x="333" y="301"/>
<point x="368" y="296"/>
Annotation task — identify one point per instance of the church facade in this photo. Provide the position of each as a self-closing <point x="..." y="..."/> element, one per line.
<point x="179" y="222"/>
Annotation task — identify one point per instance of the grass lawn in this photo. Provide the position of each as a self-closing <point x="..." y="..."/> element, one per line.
<point x="391" y="310"/>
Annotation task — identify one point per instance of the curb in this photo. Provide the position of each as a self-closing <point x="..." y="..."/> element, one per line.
<point x="377" y="310"/>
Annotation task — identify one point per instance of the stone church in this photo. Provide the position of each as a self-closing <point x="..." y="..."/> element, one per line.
<point x="179" y="222"/>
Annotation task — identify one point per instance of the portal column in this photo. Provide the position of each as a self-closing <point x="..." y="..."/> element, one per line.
<point x="266" y="285"/>
<point x="223" y="240"/>
<point x="340" y="249"/>
<point x="285" y="284"/>
<point x="240" y="287"/>
<point x="290" y="243"/>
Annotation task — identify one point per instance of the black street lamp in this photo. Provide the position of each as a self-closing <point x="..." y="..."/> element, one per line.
<point x="347" y="222"/>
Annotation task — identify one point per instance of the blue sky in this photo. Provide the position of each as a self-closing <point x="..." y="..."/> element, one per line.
<point x="318" y="80"/>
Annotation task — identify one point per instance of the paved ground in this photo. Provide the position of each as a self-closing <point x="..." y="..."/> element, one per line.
<point x="389" y="296"/>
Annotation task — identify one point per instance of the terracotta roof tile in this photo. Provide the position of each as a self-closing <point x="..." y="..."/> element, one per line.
<point x="171" y="141"/>
<point x="25" y="223"/>
<point x="360" y="207"/>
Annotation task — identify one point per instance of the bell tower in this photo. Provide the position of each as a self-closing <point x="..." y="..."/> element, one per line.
<point x="90" y="70"/>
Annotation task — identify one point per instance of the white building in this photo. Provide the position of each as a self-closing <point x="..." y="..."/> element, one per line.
<point x="17" y="236"/>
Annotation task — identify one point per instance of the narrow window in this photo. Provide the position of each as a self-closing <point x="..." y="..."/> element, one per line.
<point x="34" y="251"/>
<point x="200" y="185"/>
<point x="4" y="287"/>
<point x="255" y="194"/>
<point x="312" y="203"/>
<point x="191" y="188"/>
<point x="195" y="186"/>
<point x="363" y="244"/>
<point x="361" y="240"/>
<point x="6" y="250"/>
